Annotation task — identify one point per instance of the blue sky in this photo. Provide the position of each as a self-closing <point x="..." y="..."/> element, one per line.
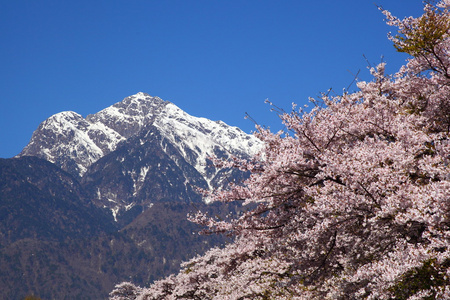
<point x="214" y="59"/>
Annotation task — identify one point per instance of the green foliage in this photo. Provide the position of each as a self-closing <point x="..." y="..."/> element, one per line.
<point x="423" y="35"/>
<point x="430" y="276"/>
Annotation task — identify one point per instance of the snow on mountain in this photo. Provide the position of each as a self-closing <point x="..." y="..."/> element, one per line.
<point x="130" y="115"/>
<point x="74" y="142"/>
<point x="199" y="138"/>
<point x="70" y="141"/>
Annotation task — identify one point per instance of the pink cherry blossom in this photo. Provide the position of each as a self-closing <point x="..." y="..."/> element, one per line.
<point x="352" y="201"/>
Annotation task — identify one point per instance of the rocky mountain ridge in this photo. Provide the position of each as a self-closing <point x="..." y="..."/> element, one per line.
<point x="74" y="143"/>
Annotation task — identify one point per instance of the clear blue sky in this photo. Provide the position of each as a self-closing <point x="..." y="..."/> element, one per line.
<point x="214" y="59"/>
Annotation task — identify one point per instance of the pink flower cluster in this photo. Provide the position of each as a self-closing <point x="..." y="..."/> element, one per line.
<point x="351" y="202"/>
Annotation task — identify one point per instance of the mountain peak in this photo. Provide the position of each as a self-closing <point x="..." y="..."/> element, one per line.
<point x="141" y="102"/>
<point x="65" y="115"/>
<point x="141" y="94"/>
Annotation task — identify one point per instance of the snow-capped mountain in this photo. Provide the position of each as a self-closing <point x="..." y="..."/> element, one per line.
<point x="73" y="142"/>
<point x="149" y="132"/>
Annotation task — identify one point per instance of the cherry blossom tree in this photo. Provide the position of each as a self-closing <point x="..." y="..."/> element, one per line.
<point x="352" y="201"/>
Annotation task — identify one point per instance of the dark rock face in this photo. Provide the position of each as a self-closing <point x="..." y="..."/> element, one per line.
<point x="94" y="201"/>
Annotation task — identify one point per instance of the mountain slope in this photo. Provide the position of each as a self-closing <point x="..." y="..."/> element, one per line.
<point x="37" y="198"/>
<point x="139" y="173"/>
<point x="55" y="244"/>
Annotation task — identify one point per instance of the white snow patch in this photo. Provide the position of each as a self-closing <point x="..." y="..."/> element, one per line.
<point x="200" y="136"/>
<point x="129" y="206"/>
<point x="114" y="211"/>
<point x="143" y="173"/>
